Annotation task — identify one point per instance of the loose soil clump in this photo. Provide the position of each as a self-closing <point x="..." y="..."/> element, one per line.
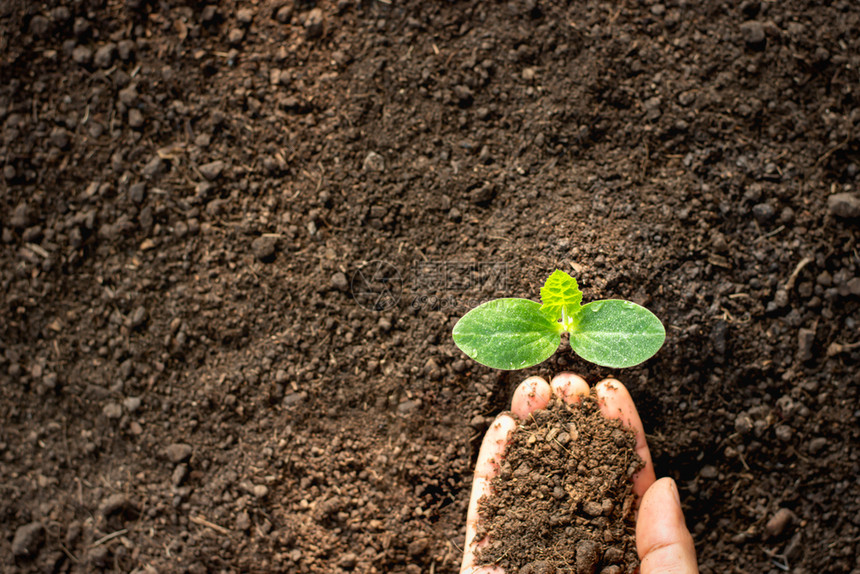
<point x="563" y="499"/>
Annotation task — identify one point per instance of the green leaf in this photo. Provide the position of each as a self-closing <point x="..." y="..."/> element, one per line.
<point x="560" y="292"/>
<point x="507" y="334"/>
<point x="615" y="333"/>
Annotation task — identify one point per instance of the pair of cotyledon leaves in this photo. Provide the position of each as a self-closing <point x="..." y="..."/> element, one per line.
<point x="518" y="333"/>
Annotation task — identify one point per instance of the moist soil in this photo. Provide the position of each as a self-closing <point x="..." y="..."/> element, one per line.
<point x="563" y="499"/>
<point x="236" y="236"/>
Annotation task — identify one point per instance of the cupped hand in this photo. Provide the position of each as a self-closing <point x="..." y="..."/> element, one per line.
<point x="662" y="540"/>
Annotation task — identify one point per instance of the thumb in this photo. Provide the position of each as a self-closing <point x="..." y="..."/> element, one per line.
<point x="662" y="539"/>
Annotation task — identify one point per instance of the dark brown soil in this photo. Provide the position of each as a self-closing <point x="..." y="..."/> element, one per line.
<point x="187" y="382"/>
<point x="563" y="500"/>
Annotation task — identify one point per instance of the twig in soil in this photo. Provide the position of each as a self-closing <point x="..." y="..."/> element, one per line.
<point x="831" y="151"/>
<point x="555" y="440"/>
<point x="778" y="560"/>
<point x="203" y="522"/>
<point x="835" y="348"/>
<point x="729" y="318"/>
<point x="109" y="537"/>
<point x="789" y="284"/>
<point x="743" y="460"/>
<point x="455" y="545"/>
<point x="771" y="234"/>
<point x="68" y="553"/>
<point x="38" y="250"/>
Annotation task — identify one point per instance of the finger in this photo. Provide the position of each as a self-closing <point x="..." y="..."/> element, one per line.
<point x="571" y="388"/>
<point x="615" y="403"/>
<point x="533" y="394"/>
<point x="487" y="467"/>
<point x="662" y="539"/>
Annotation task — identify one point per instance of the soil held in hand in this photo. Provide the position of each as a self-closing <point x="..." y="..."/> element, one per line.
<point x="563" y="499"/>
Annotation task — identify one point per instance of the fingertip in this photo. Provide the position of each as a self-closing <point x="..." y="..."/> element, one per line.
<point x="616" y="403"/>
<point x="486" y="468"/>
<point x="532" y="394"/>
<point x="493" y="446"/>
<point x="662" y="540"/>
<point x="570" y="387"/>
<point x="472" y="569"/>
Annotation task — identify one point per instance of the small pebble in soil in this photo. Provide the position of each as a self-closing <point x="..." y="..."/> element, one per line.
<point x="709" y="472"/>
<point x="39" y="25"/>
<point x="178" y="452"/>
<point x="805" y="342"/>
<point x="131" y="404"/>
<point x="846" y="205"/>
<point x="112" y="411"/>
<point x="118" y="504"/>
<point x="763" y="212"/>
<point x="154" y="168"/>
<point x="339" y="281"/>
<point x="180" y="474"/>
<point x="373" y="162"/>
<point x="208" y="14"/>
<point x="464" y="95"/>
<point x="235" y="36"/>
<point x="587" y="556"/>
<point x="82" y="55"/>
<point x="408" y="406"/>
<point x="212" y="170"/>
<point x="538" y="567"/>
<point x="28" y="540"/>
<point x="482" y="195"/>
<point x="245" y="16"/>
<point x="22" y="217"/>
<point x="99" y="556"/>
<point x="129" y="95"/>
<point x="135" y="118"/>
<point x="125" y="50"/>
<point x="314" y="24"/>
<point x="780" y="301"/>
<point x="779" y="523"/>
<point x="783" y="433"/>
<point x="754" y="35"/>
<point x="348" y="560"/>
<point x="103" y="57"/>
<point x="284" y="13"/>
<point x="138" y="317"/>
<point x="137" y="192"/>
<point x="816" y="445"/>
<point x="265" y="248"/>
<point x="243" y="521"/>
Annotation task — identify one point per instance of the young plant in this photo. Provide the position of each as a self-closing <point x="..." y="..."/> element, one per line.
<point x="514" y="333"/>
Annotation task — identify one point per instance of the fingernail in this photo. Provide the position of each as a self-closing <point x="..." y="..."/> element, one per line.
<point x="674" y="488"/>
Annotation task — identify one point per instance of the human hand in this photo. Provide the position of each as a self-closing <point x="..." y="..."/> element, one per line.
<point x="662" y="540"/>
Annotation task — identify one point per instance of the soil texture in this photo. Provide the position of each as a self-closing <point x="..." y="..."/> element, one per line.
<point x="235" y="236"/>
<point x="563" y="500"/>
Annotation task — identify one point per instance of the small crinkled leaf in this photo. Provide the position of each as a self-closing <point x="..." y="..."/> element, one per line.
<point x="615" y="333"/>
<point x="507" y="334"/>
<point x="560" y="292"/>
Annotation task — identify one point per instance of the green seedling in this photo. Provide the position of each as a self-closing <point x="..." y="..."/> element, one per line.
<point x="515" y="333"/>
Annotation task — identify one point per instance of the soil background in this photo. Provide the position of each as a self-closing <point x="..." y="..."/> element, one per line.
<point x="236" y="235"/>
